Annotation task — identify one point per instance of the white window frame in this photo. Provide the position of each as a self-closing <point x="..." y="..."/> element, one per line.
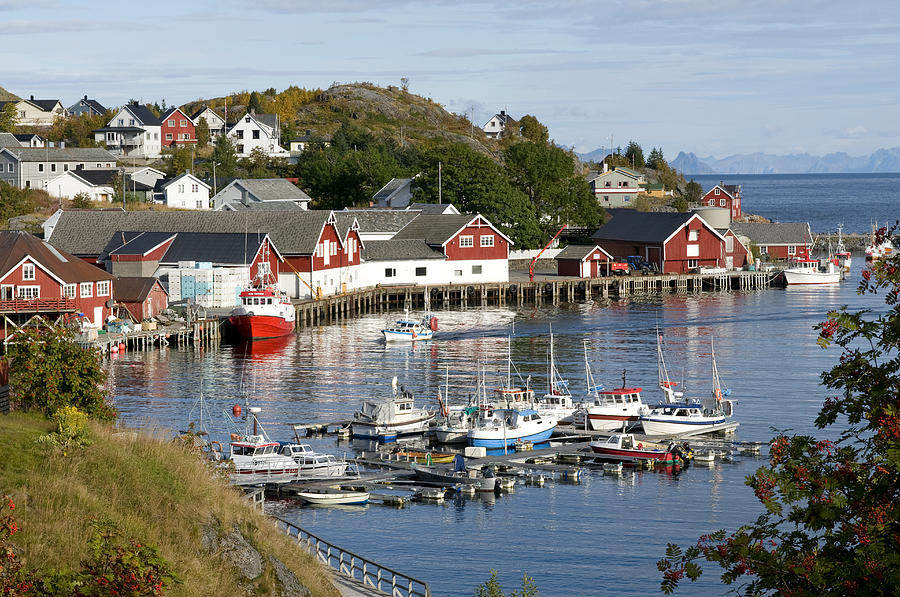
<point x="21" y="291"/>
<point x="7" y="290"/>
<point x="763" y="249"/>
<point x="29" y="272"/>
<point x="792" y="249"/>
<point x="722" y="202"/>
<point x="476" y="270"/>
<point x="717" y="191"/>
<point x="70" y="291"/>
<point x="103" y="288"/>
<point x="692" y="251"/>
<point x="487" y="240"/>
<point x="466" y="242"/>
<point x="693" y="235"/>
<point x="86" y="289"/>
<point x="457" y="273"/>
<point x="729" y="244"/>
<point x="693" y="263"/>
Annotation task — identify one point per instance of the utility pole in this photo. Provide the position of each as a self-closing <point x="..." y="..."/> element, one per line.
<point x="440" y="200"/>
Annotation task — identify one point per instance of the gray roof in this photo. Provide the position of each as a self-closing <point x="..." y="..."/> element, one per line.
<point x="393" y="185"/>
<point x="639" y="226"/>
<point x="143" y="114"/>
<point x="93" y="104"/>
<point x="62" y="154"/>
<point x="87" y="232"/>
<point x="203" y="109"/>
<point x="262" y="206"/>
<point x="270" y="120"/>
<point x="576" y="252"/>
<point x="133" y="290"/>
<point x="433" y="208"/>
<point x="434" y="230"/>
<point x="219" y="248"/>
<point x="390" y="250"/>
<point x="9" y="140"/>
<point x="45" y="105"/>
<point x="272" y="189"/>
<point x="775" y="233"/>
<point x="379" y="220"/>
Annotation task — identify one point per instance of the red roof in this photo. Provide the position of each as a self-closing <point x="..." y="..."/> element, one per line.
<point x="619" y="391"/>
<point x="15" y="246"/>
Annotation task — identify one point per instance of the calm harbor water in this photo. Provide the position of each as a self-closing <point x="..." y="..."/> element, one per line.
<point x="601" y="536"/>
<point x="823" y="200"/>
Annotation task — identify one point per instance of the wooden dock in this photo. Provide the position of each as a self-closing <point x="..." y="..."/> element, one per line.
<point x="200" y="332"/>
<point x="517" y="293"/>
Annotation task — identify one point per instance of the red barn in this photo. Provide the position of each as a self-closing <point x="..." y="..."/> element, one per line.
<point x="142" y="297"/>
<point x="583" y="261"/>
<point x="676" y="242"/>
<point x="724" y="195"/>
<point x="177" y="129"/>
<point x="37" y="278"/>
<point x="737" y="254"/>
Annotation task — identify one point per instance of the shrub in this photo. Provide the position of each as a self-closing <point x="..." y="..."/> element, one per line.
<point x="71" y="429"/>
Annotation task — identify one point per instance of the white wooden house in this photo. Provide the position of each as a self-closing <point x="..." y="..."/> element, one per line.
<point x="186" y="192"/>
<point x="260" y="131"/>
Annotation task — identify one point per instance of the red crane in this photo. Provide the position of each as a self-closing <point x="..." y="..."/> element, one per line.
<point x="536" y="257"/>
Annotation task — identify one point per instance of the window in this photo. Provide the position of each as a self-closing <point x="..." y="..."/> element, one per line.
<point x="334" y="247"/>
<point x="40" y="167"/>
<point x="29" y="292"/>
<point x="240" y="134"/>
<point x="717" y="190"/>
<point x="240" y="149"/>
<point x="65" y="167"/>
<point x="390" y="272"/>
<point x="255" y="134"/>
<point x="195" y="188"/>
<point x="693" y="250"/>
<point x="693" y="235"/>
<point x="172" y="122"/>
<point x="199" y="204"/>
<point x="186" y="136"/>
<point x="184" y="123"/>
<point x="28" y="271"/>
<point x="627" y="197"/>
<point x="131" y="121"/>
<point x="87" y="289"/>
<point x="52" y="167"/>
<point x="263" y="267"/>
<point x="763" y="250"/>
<point x="476" y="269"/>
<point x="7" y="292"/>
<point x="420" y="271"/>
<point x="722" y="202"/>
<point x="121" y="122"/>
<point x="155" y="136"/>
<point x="457" y="272"/>
<point x="103" y="288"/>
<point x="729" y="244"/>
<point x="168" y="136"/>
<point x="692" y="263"/>
<point x="69" y="291"/>
<point x="792" y="249"/>
<point x="10" y="167"/>
<point x="712" y="202"/>
<point x="181" y="188"/>
<point x="466" y="241"/>
<point x="487" y="240"/>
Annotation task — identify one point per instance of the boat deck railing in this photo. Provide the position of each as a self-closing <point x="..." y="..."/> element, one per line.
<point x="364" y="570"/>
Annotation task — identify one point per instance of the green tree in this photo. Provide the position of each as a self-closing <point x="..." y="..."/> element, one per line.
<point x="532" y="130"/>
<point x="634" y="154"/>
<point x="254" y="106"/>
<point x="8" y="118"/>
<point x="492" y="588"/>
<point x="693" y="191"/>
<point x="81" y="200"/>
<point x="13" y="202"/>
<point x="202" y="132"/>
<point x="50" y="371"/>
<point x="680" y="204"/>
<point x="257" y="165"/>
<point x="179" y="159"/>
<point x="831" y="524"/>
<point x="225" y="155"/>
<point x="656" y="159"/>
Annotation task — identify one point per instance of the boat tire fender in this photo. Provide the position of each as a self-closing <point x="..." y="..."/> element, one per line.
<point x="250" y="313"/>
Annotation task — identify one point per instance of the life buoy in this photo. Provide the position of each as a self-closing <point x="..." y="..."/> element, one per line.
<point x="640" y="446"/>
<point x="215" y="446"/>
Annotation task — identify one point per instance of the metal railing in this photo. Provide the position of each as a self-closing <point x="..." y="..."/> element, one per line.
<point x="257" y="498"/>
<point x="369" y="573"/>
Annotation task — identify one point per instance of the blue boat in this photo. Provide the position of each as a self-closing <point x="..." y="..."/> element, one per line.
<point x="503" y="427"/>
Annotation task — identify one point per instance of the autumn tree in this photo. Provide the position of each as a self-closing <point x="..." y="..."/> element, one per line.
<point x="831" y="519"/>
<point x="179" y="159"/>
<point x="8" y="118"/>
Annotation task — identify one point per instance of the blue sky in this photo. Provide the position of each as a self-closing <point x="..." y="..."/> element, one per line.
<point x="714" y="77"/>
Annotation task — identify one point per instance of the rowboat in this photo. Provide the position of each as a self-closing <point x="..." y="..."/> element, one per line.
<point x="333" y="497"/>
<point x="427" y="457"/>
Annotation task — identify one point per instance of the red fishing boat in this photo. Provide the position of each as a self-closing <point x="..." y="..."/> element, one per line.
<point x="264" y="311"/>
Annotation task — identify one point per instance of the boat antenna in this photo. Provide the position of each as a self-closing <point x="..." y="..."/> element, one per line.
<point x="623" y="378"/>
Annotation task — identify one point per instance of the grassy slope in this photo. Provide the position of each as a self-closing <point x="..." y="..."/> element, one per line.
<point x="6" y="95"/>
<point x="153" y="490"/>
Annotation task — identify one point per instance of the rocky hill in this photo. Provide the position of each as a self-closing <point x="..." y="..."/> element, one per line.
<point x="882" y="160"/>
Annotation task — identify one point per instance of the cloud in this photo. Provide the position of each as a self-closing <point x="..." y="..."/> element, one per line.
<point x="853" y="132"/>
<point x="473" y="52"/>
<point x="29" y="27"/>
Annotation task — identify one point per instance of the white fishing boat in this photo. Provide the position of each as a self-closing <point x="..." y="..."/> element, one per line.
<point x="677" y="416"/>
<point x="803" y="269"/>
<point x="616" y="409"/>
<point x="257" y="459"/>
<point x="880" y="246"/>
<point x="314" y="465"/>
<point x="333" y="497"/>
<point x="557" y="402"/>
<point x="407" y="330"/>
<point x="503" y="427"/>
<point x="386" y="420"/>
<point x="452" y="424"/>
<point x="841" y="253"/>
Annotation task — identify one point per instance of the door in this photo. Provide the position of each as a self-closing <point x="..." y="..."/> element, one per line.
<point x="7" y="293"/>
<point x="98" y="317"/>
<point x="729" y="262"/>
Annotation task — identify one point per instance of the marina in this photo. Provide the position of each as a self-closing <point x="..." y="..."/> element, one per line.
<point x="300" y="386"/>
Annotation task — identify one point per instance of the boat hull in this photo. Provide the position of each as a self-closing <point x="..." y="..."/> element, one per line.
<point x="451" y="436"/>
<point x="340" y="498"/>
<point x="626" y="455"/>
<point x="404" y="336"/>
<point x="799" y="278"/>
<point x="662" y="426"/>
<point x="253" y="327"/>
<point x="495" y="439"/>
<point x="603" y="422"/>
<point x="432" y="475"/>
<point x="388" y="432"/>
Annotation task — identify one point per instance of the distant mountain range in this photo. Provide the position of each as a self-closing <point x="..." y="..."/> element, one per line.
<point x="882" y="160"/>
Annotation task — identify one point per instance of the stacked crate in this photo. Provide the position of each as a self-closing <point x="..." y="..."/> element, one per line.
<point x="208" y="286"/>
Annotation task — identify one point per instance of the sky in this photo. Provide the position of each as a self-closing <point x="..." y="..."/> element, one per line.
<point x="713" y="77"/>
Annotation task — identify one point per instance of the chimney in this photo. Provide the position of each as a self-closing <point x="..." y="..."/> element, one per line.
<point x="502" y="112"/>
<point x="32" y="98"/>
<point x="605" y="167"/>
<point x="85" y="98"/>
<point x="244" y="198"/>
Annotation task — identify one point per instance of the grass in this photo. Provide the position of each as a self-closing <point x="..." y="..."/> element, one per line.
<point x="155" y="492"/>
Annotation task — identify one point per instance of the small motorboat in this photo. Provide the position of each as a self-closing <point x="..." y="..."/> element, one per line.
<point x="624" y="447"/>
<point x="458" y="475"/>
<point x="257" y="459"/>
<point x="503" y="427"/>
<point x="314" y="465"/>
<point x="387" y="419"/>
<point x="333" y="497"/>
<point x="423" y="457"/>
<point x="407" y="330"/>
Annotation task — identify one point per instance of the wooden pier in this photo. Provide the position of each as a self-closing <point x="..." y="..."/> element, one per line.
<point x="200" y="332"/>
<point x="517" y="293"/>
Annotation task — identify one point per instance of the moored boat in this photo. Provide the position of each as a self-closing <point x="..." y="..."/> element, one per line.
<point x="257" y="459"/>
<point x="314" y="465"/>
<point x="880" y="245"/>
<point x="503" y="427"/>
<point x="390" y="418"/>
<point x="557" y="402"/>
<point x="333" y="497"/>
<point x="843" y="256"/>
<point x="615" y="409"/>
<point x="458" y="475"/>
<point x="803" y="269"/>
<point x="264" y="310"/>
<point x="624" y="447"/>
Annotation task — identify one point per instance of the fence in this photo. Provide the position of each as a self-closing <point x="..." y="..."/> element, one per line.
<point x="359" y="568"/>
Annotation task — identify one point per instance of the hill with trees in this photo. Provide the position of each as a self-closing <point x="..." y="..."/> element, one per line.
<point x="6" y="96"/>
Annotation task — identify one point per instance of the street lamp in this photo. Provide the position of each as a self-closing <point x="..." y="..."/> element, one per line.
<point x="215" y="188"/>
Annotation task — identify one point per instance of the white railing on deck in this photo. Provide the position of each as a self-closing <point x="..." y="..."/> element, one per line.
<point x="361" y="569"/>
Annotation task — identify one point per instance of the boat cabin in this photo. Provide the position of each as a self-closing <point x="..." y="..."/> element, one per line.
<point x="679" y="410"/>
<point x="618" y="397"/>
<point x="253" y="445"/>
<point x="512" y="397"/>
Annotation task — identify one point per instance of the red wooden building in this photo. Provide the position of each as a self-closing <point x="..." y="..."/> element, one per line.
<point x="177" y="129"/>
<point x="724" y="195"/>
<point x="583" y="261"/>
<point x="37" y="278"/>
<point x="676" y="242"/>
<point x="142" y="297"/>
<point x="775" y="240"/>
<point x="737" y="254"/>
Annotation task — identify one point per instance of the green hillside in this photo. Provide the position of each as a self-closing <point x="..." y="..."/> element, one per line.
<point x="157" y="493"/>
<point x="6" y="95"/>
